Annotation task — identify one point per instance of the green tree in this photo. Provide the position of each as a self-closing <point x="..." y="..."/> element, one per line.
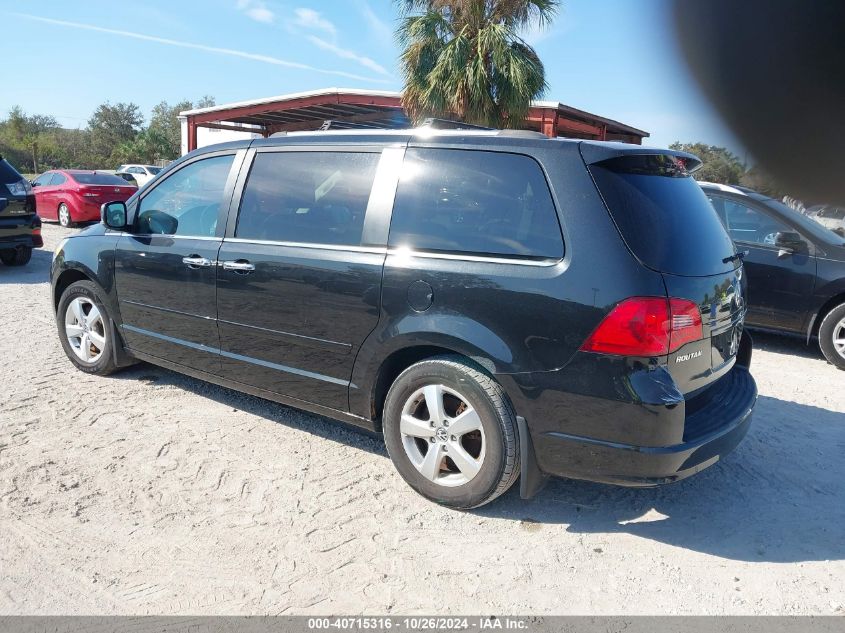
<point x="467" y="59"/>
<point x="112" y="126"/>
<point x="26" y="140"/>
<point x="718" y="163"/>
<point x="165" y="123"/>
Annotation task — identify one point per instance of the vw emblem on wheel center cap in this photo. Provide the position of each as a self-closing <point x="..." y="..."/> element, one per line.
<point x="442" y="434"/>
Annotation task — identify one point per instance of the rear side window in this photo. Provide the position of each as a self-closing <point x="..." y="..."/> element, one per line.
<point x="663" y="215"/>
<point x="307" y="197"/>
<point x="58" y="179"/>
<point x="487" y="203"/>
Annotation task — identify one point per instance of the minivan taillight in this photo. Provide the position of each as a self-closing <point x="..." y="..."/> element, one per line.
<point x="646" y="326"/>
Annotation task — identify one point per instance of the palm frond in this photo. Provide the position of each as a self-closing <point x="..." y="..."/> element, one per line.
<point x="465" y="58"/>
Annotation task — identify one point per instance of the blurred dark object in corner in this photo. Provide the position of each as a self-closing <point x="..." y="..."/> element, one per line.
<point x="775" y="70"/>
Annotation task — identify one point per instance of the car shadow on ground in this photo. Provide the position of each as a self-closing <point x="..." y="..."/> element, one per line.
<point x="320" y="426"/>
<point x="782" y="344"/>
<point x="778" y="498"/>
<point x="37" y="271"/>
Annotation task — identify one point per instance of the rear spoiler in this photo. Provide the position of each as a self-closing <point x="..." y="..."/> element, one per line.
<point x="593" y="153"/>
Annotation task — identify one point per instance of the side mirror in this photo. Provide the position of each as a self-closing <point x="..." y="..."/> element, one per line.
<point x="789" y="242"/>
<point x="34" y="183"/>
<point x="114" y="215"/>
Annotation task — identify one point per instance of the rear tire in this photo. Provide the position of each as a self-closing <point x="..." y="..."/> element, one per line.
<point x="19" y="256"/>
<point x="65" y="218"/>
<point x="451" y="432"/>
<point x="832" y="336"/>
<point x="85" y="329"/>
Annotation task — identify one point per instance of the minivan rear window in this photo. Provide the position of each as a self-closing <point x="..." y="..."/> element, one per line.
<point x="486" y="203"/>
<point x="663" y="215"/>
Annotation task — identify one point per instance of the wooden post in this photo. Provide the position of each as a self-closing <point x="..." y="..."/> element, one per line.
<point x="192" y="134"/>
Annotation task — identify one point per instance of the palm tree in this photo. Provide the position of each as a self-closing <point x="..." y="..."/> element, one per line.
<point x="466" y="59"/>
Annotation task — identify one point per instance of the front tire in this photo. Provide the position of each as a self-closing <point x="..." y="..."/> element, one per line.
<point x="19" y="256"/>
<point x="85" y="329"/>
<point x="65" y="218"/>
<point x="832" y="336"/>
<point x="450" y="430"/>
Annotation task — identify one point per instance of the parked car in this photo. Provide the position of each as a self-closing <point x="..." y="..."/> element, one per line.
<point x="468" y="294"/>
<point x="74" y="195"/>
<point x="795" y="267"/>
<point x="833" y="217"/>
<point x="20" y="227"/>
<point x="127" y="177"/>
<point x="141" y="173"/>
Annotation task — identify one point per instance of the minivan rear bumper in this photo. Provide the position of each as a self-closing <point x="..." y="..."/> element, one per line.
<point x="20" y="230"/>
<point x="712" y="429"/>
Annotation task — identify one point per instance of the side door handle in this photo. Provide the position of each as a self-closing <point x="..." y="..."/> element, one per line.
<point x="195" y="261"/>
<point x="241" y="266"/>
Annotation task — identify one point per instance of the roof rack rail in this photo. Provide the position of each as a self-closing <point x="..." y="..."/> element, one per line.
<point x="522" y="134"/>
<point x="448" y="124"/>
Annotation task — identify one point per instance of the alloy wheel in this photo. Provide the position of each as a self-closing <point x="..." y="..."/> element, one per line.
<point x="85" y="329"/>
<point x="839" y="338"/>
<point x="64" y="215"/>
<point x="442" y="435"/>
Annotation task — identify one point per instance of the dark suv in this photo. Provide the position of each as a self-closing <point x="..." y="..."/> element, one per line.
<point x="20" y="227"/>
<point x="497" y="304"/>
<point x="795" y="267"/>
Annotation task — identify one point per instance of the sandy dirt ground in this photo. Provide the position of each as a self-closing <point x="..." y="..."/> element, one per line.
<point x="151" y="492"/>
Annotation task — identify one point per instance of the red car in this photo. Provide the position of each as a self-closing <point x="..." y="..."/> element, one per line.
<point x="75" y="195"/>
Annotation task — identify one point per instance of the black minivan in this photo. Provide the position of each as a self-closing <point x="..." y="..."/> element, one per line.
<point x="498" y="304"/>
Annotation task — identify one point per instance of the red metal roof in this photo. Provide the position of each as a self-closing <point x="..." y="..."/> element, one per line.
<point x="375" y="109"/>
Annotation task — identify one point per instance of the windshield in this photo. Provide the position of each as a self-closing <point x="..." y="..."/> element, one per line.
<point x="664" y="216"/>
<point x="153" y="170"/>
<point x="98" y="179"/>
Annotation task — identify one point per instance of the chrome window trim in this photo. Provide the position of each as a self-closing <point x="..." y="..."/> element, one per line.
<point x="376" y="250"/>
<point x="173" y="237"/>
<point x="490" y="259"/>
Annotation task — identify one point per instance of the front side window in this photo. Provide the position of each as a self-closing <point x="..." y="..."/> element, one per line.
<point x="486" y="203"/>
<point x="188" y="201"/>
<point x="307" y="197"/>
<point x="43" y="179"/>
<point x="747" y="224"/>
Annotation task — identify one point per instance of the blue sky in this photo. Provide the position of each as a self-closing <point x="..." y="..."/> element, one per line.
<point x="616" y="58"/>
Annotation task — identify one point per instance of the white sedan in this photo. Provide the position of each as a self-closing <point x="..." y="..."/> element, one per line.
<point x="141" y="173"/>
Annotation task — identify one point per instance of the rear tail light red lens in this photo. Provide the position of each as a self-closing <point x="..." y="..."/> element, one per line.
<point x="646" y="326"/>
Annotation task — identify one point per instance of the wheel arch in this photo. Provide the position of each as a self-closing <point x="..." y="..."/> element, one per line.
<point x="403" y="357"/>
<point x="65" y="279"/>
<point x="829" y="305"/>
